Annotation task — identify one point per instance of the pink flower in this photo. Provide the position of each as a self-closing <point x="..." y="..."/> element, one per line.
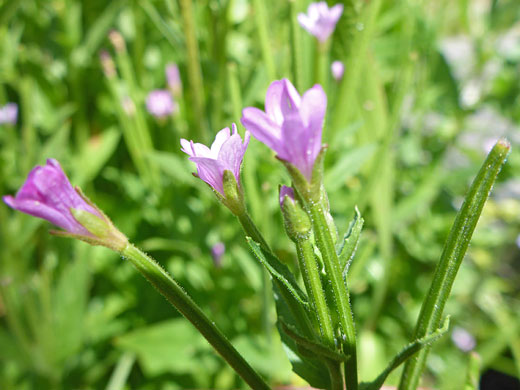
<point x="337" y="68"/>
<point x="160" y="103"/>
<point x="321" y="20"/>
<point x="226" y="153"/>
<point x="291" y="124"/>
<point x="48" y="194"/>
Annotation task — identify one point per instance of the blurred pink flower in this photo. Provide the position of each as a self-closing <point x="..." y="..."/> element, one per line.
<point x="160" y="103"/>
<point x="320" y="20"/>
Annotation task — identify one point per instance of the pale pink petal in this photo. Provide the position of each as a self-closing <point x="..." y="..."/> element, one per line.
<point x="221" y="137"/>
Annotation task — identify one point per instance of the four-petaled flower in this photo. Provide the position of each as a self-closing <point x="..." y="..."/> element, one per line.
<point x="226" y="154"/>
<point x="48" y="194"/>
<point x="320" y="20"/>
<point x="291" y="125"/>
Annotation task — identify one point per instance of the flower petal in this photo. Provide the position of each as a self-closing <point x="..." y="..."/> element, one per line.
<point x="231" y="154"/>
<point x="211" y="171"/>
<point x="281" y="99"/>
<point x="312" y="112"/>
<point x="296" y="140"/>
<point x="221" y="137"/>
<point x="262" y="127"/>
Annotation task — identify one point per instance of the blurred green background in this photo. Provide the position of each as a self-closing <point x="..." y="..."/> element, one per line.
<point x="428" y="87"/>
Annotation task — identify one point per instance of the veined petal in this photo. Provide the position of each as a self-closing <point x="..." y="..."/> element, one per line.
<point x="211" y="171"/>
<point x="262" y="127"/>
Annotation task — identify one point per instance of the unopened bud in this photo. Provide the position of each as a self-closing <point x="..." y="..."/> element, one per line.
<point x="296" y="221"/>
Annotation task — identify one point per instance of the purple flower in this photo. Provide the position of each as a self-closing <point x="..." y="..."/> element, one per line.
<point x="286" y="191"/>
<point x="217" y="251"/>
<point x="9" y="114"/>
<point x="291" y="125"/>
<point x="48" y="194"/>
<point x="173" y="79"/>
<point x="337" y="69"/>
<point x="463" y="339"/>
<point x="320" y="20"/>
<point x="226" y="153"/>
<point x="160" y="103"/>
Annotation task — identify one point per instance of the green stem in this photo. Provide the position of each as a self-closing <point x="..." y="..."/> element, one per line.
<point x="311" y="278"/>
<point x="296" y="46"/>
<point x="451" y="259"/>
<point x="325" y="243"/>
<point x="336" y="379"/>
<point x="194" y="70"/>
<point x="252" y="231"/>
<point x="263" y="36"/>
<point x="321" y="60"/>
<point x="174" y="293"/>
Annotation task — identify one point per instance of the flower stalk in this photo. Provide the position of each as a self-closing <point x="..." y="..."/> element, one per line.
<point x="174" y="293"/>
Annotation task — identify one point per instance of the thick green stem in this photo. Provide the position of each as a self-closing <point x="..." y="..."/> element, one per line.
<point x="325" y="243"/>
<point x="189" y="309"/>
<point x="311" y="278"/>
<point x="451" y="259"/>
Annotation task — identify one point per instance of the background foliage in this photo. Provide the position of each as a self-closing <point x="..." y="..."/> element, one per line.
<point x="428" y="86"/>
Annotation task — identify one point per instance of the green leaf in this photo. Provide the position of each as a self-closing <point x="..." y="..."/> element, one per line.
<point x="278" y="271"/>
<point x="350" y="242"/>
<point x="312" y="346"/>
<point x="452" y="256"/>
<point x="155" y="346"/>
<point x="406" y="353"/>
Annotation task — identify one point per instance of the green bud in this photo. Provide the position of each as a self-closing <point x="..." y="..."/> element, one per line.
<point x="296" y="221"/>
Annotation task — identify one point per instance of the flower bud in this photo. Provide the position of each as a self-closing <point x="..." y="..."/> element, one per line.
<point x="296" y="221"/>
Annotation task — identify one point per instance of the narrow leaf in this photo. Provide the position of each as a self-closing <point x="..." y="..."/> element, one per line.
<point x="279" y="271"/>
<point x="452" y="256"/>
<point x="405" y="354"/>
